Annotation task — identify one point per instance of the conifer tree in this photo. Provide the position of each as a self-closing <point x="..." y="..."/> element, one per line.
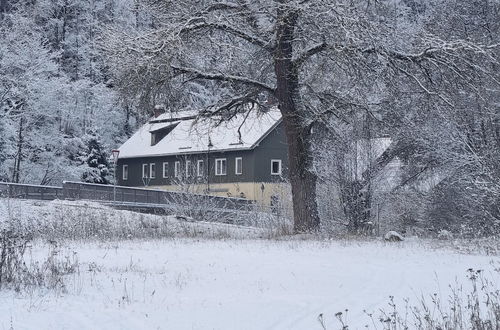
<point x="95" y="160"/>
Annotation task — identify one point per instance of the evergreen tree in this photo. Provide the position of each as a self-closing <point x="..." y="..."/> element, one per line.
<point x="95" y="160"/>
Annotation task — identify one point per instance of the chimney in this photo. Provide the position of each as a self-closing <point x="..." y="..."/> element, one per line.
<point x="158" y="110"/>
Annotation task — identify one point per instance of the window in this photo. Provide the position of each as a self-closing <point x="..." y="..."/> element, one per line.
<point x="276" y="166"/>
<point x="199" y="168"/>
<point x="220" y="166"/>
<point x="188" y="168"/>
<point x="144" y="170"/>
<point x="177" y="169"/>
<point x="165" y="169"/>
<point x="152" y="170"/>
<point x="238" y="166"/>
<point x="125" y="172"/>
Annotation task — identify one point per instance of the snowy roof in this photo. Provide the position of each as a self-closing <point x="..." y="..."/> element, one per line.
<point x="191" y="136"/>
<point x="372" y="148"/>
<point x="368" y="151"/>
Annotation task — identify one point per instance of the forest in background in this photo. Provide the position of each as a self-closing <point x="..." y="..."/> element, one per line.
<point x="60" y="113"/>
<point x="77" y="77"/>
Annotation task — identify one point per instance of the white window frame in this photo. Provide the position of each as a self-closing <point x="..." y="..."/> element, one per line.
<point x="145" y="168"/>
<point x="125" y="172"/>
<point x="236" y="165"/>
<point x="177" y="169"/>
<point x="279" y="166"/>
<point x="199" y="167"/>
<point x="188" y="167"/>
<point x="152" y="170"/>
<point x="218" y="166"/>
<point x="165" y="170"/>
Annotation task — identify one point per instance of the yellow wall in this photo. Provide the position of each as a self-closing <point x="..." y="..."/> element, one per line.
<point x="250" y="190"/>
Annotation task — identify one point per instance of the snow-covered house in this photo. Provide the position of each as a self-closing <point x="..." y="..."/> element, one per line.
<point x="245" y="157"/>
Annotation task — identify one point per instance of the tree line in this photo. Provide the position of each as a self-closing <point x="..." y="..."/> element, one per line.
<point x="60" y="113"/>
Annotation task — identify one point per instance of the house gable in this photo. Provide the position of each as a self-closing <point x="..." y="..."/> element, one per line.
<point x="272" y="147"/>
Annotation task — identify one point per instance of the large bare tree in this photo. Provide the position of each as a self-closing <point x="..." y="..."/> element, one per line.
<point x="313" y="58"/>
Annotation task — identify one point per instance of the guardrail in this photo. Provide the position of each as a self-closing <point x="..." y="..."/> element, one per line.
<point x="26" y="191"/>
<point x="97" y="192"/>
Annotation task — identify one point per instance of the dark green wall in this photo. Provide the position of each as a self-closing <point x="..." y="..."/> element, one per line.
<point x="256" y="164"/>
<point x="274" y="146"/>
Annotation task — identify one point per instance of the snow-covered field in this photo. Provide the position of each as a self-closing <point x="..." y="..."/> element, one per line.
<point x="138" y="271"/>
<point x="234" y="284"/>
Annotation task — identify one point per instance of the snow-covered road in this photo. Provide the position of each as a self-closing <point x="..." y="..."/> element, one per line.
<point x="208" y="284"/>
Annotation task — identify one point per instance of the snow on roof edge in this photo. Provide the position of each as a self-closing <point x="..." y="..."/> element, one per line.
<point x="138" y="145"/>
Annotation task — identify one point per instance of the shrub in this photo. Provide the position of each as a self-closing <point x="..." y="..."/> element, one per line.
<point x="12" y="248"/>
<point x="16" y="273"/>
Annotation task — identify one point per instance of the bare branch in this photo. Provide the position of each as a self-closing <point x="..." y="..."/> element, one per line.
<point x="224" y="77"/>
<point x="221" y="6"/>
<point x="313" y="50"/>
<point x="421" y="85"/>
<point x="231" y="30"/>
<point x="242" y="123"/>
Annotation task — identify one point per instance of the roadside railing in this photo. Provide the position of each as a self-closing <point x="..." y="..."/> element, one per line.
<point x="26" y="191"/>
<point x="96" y="192"/>
<point x="192" y="206"/>
<point x="88" y="191"/>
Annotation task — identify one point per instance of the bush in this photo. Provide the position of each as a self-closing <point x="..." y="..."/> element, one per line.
<point x="16" y="273"/>
<point x="12" y="248"/>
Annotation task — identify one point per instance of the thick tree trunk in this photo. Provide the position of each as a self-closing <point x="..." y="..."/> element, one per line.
<point x="303" y="181"/>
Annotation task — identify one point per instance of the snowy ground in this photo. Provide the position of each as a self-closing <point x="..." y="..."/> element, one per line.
<point x="234" y="284"/>
<point x="140" y="271"/>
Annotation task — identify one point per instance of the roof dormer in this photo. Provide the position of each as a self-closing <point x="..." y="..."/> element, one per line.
<point x="158" y="134"/>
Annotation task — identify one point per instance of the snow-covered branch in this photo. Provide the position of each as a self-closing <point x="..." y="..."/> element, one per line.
<point x="229" y="29"/>
<point x="311" y="51"/>
<point x="223" y="77"/>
